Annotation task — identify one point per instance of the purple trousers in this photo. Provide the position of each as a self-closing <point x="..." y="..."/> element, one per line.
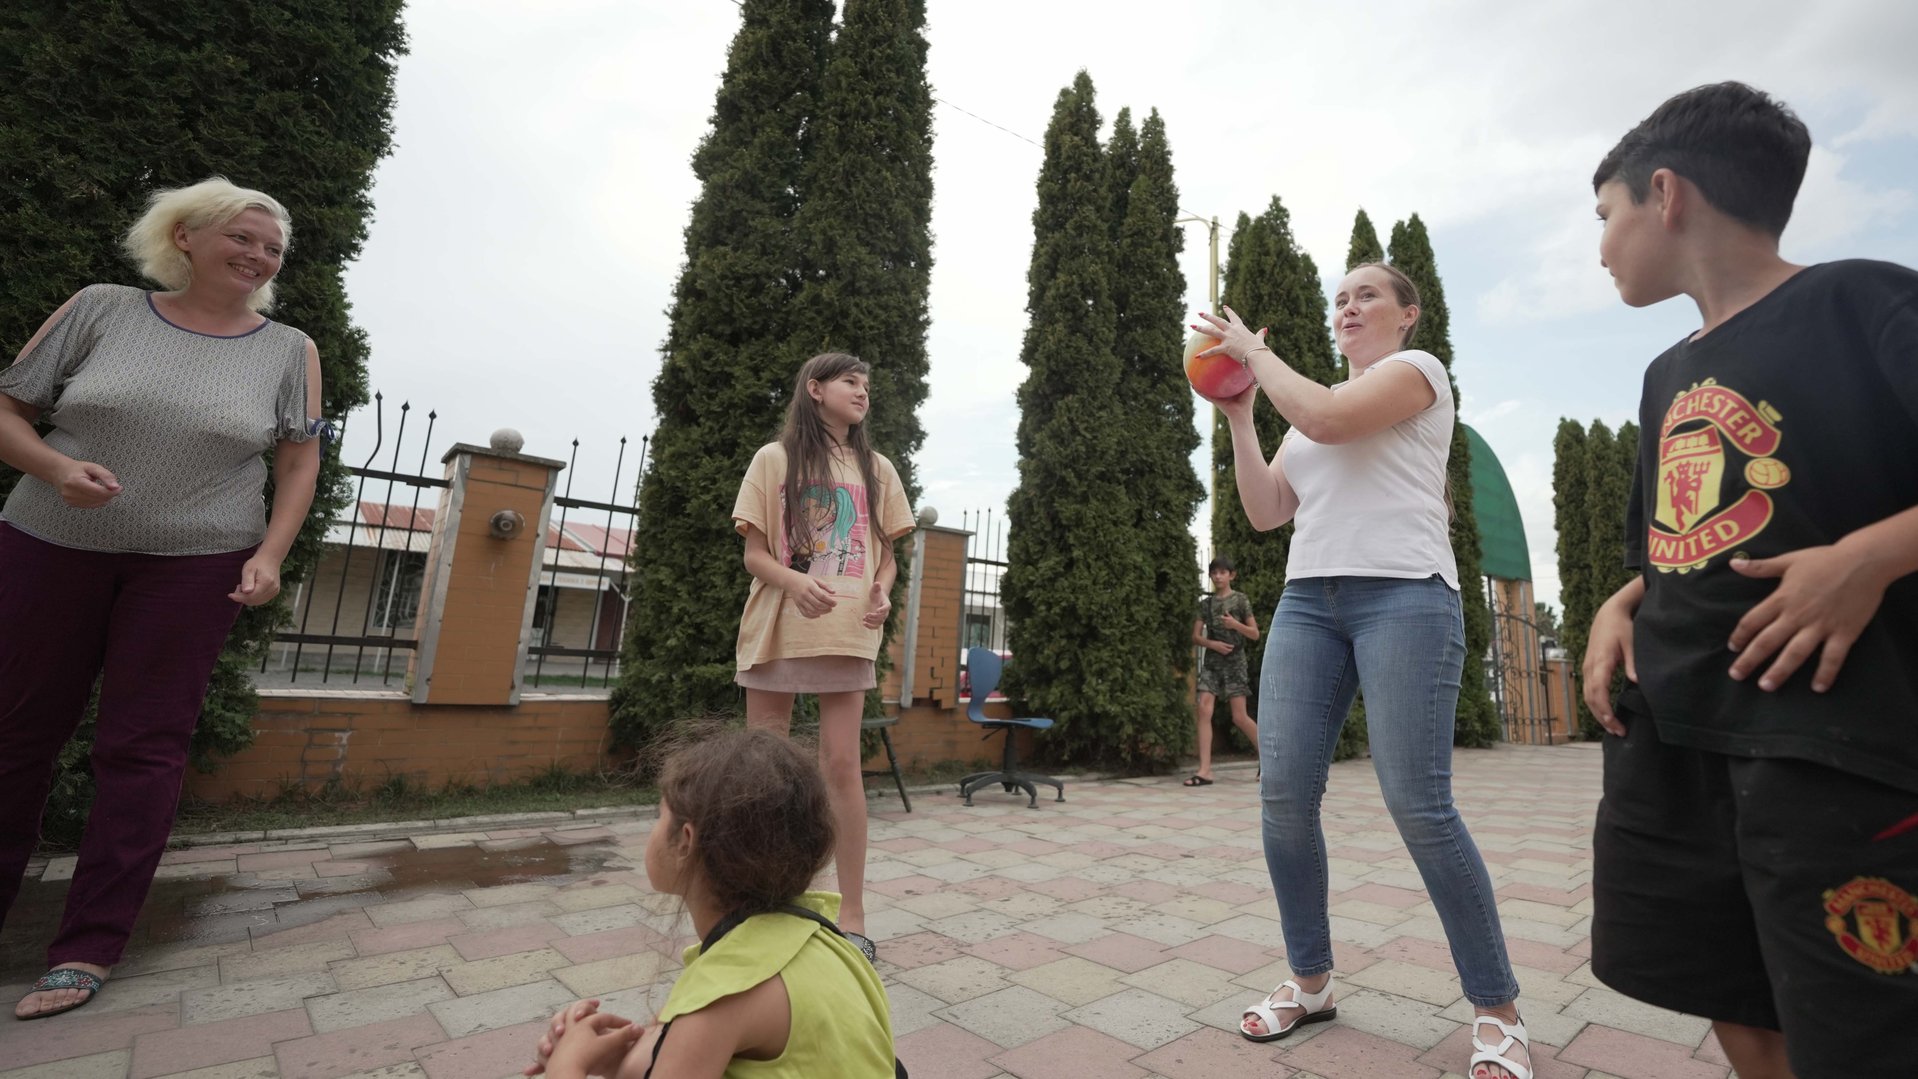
<point x="148" y="628"/>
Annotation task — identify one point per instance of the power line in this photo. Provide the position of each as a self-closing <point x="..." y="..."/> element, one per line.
<point x="968" y="112"/>
<point x="987" y="122"/>
<point x="1006" y="130"/>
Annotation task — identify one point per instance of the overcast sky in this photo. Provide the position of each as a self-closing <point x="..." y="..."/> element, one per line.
<point x="528" y="227"/>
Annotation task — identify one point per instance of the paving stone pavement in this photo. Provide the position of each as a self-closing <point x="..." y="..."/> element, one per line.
<point x="1117" y="934"/>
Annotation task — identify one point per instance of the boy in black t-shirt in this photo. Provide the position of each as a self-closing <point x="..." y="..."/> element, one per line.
<point x="1756" y="851"/>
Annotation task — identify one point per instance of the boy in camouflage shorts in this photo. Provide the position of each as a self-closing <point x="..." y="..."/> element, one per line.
<point x="1224" y="625"/>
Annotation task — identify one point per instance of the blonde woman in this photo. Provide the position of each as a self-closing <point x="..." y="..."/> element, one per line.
<point x="135" y="536"/>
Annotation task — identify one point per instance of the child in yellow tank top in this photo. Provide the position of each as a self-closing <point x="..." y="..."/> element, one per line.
<point x="773" y="991"/>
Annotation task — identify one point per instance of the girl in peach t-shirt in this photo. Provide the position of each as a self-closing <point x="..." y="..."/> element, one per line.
<point x="820" y="511"/>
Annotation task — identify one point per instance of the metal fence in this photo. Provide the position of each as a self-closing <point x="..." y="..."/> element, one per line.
<point x="982" y="620"/>
<point x="353" y="615"/>
<point x="354" y="618"/>
<point x="1516" y="671"/>
<point x="595" y="555"/>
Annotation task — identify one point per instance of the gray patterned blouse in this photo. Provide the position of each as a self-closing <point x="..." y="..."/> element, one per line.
<point x="180" y="418"/>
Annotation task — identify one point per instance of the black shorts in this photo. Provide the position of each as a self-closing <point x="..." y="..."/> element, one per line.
<point x="1770" y="892"/>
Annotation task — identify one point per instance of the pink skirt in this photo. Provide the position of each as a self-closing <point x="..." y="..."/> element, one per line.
<point x="811" y="674"/>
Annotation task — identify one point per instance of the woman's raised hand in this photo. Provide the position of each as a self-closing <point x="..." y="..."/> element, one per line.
<point x="1236" y="408"/>
<point x="1236" y="339"/>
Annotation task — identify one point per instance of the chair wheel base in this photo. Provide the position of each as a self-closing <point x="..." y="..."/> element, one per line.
<point x="1012" y="782"/>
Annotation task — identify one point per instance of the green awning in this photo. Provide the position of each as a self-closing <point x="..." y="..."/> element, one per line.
<point x="1501" y="530"/>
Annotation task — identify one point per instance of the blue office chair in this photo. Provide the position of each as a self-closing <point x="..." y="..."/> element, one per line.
<point x="983" y="667"/>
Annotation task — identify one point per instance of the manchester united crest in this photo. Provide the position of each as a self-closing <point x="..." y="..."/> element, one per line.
<point x="1876" y="923"/>
<point x="1703" y="429"/>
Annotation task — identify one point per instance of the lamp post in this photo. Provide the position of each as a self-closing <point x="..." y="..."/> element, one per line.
<point x="1212" y="270"/>
<point x="1212" y="295"/>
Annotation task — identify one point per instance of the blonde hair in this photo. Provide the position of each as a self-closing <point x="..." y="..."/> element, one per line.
<point x="212" y="201"/>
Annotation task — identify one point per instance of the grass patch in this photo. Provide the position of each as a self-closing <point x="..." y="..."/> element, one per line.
<point x="398" y="798"/>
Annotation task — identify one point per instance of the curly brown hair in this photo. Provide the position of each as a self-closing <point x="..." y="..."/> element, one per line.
<point x="762" y="825"/>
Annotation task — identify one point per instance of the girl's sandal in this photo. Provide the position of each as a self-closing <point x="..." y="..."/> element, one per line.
<point x="65" y="978"/>
<point x="865" y="945"/>
<point x="1315" y="1006"/>
<point x="1514" y="1034"/>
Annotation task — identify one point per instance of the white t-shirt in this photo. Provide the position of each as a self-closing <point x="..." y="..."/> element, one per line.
<point x="1375" y="507"/>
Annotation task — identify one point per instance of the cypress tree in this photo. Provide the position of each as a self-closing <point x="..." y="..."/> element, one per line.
<point x="1545" y="619"/>
<point x="1591" y="486"/>
<point x="1610" y="459"/>
<point x="1365" y="245"/>
<point x="864" y="227"/>
<point x="1122" y="168"/>
<point x="1478" y="722"/>
<point x="1077" y="591"/>
<point x="864" y="224"/>
<point x="1571" y="477"/>
<point x="728" y="365"/>
<point x="107" y="101"/>
<point x="1364" y="248"/>
<point x="1156" y="452"/>
<point x="1269" y="282"/>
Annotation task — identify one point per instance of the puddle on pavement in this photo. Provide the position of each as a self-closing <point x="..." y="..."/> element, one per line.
<point x="227" y="907"/>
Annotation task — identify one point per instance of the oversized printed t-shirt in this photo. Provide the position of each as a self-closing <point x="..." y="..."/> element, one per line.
<point x="843" y="553"/>
<point x="1790" y="426"/>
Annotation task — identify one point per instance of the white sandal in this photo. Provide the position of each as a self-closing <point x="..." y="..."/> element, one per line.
<point x="1314" y="1005"/>
<point x="1495" y="1054"/>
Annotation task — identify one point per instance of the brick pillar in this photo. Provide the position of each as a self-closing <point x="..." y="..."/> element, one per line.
<point x="482" y="574"/>
<point x="941" y="599"/>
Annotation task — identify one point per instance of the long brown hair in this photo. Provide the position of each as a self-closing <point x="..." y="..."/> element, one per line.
<point x="762" y="824"/>
<point x="1402" y="288"/>
<point x="809" y="446"/>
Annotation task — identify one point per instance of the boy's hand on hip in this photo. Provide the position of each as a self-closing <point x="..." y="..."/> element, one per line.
<point x="1824" y="600"/>
<point x="1609" y="645"/>
<point x="879" y="606"/>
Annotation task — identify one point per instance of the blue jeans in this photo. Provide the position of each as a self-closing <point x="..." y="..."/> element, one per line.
<point x="1403" y="642"/>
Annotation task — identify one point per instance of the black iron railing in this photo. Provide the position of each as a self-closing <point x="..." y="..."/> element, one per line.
<point x="354" y="618"/>
<point x="606" y="625"/>
<point x="335" y="647"/>
<point x="982" y="619"/>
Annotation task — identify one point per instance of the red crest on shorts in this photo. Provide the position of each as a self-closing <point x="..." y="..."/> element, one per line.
<point x="1876" y="923"/>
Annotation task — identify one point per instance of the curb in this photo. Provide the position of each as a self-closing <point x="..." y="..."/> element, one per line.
<point x="405" y="829"/>
<point x="558" y="819"/>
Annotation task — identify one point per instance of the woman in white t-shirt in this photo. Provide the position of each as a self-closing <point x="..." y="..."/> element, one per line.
<point x="1371" y="602"/>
